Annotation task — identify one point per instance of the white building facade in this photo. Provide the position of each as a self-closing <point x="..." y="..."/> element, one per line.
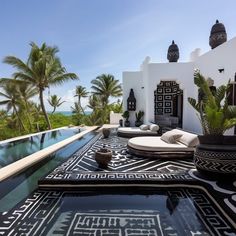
<point x="162" y="89"/>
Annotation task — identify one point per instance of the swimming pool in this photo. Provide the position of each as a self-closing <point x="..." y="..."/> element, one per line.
<point x="17" y="187"/>
<point x="18" y="149"/>
<point x="119" y="211"/>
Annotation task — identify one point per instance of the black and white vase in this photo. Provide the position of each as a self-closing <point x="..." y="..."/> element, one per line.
<point x="216" y="155"/>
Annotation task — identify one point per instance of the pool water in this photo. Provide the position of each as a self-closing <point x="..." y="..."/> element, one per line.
<point x="18" y="187"/>
<point x="125" y="211"/>
<point x="15" y="150"/>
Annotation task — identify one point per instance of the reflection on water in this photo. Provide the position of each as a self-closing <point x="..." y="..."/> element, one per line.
<point x="13" y="151"/>
<point x="16" y="188"/>
<point x="157" y="212"/>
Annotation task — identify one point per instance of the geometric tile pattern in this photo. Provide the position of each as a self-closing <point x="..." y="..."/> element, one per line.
<point x="226" y="161"/>
<point x="176" y="211"/>
<point x="186" y="202"/>
<point x="122" y="166"/>
<point x="163" y="97"/>
<point x="127" y="169"/>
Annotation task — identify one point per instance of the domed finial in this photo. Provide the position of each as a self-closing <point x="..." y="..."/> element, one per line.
<point x="218" y="35"/>
<point x="173" y="52"/>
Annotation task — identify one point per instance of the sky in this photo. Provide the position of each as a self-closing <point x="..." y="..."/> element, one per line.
<point x="108" y="36"/>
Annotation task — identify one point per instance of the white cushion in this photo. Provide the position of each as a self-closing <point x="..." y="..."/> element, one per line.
<point x="154" y="127"/>
<point x="188" y="139"/>
<point x="144" y="127"/>
<point x="156" y="144"/>
<point x="170" y="136"/>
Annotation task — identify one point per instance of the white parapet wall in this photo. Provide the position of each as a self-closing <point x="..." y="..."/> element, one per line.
<point x="115" y="117"/>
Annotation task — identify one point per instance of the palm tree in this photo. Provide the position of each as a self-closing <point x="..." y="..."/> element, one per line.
<point x="42" y="69"/>
<point x="13" y="99"/>
<point x="76" y="109"/>
<point x="54" y="101"/>
<point x="81" y="92"/>
<point x="94" y="102"/>
<point x="27" y="91"/>
<point x="106" y="86"/>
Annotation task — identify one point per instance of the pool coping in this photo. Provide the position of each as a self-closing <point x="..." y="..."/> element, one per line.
<point x="32" y="159"/>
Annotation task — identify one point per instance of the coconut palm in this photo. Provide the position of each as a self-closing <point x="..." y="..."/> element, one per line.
<point x="55" y="102"/>
<point x="27" y="91"/>
<point x="94" y="102"/>
<point x="106" y="86"/>
<point x="81" y="92"/>
<point x="13" y="99"/>
<point x="42" y="69"/>
<point x="76" y="109"/>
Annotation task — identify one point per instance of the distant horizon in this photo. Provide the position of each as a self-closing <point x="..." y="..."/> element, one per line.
<point x="58" y="111"/>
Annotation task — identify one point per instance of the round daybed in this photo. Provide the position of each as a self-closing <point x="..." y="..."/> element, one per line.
<point x="129" y="132"/>
<point x="155" y="146"/>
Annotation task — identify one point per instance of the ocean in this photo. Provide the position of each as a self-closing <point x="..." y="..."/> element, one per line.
<point x="69" y="113"/>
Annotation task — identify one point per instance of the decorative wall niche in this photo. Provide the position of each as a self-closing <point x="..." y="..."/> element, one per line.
<point x="168" y="102"/>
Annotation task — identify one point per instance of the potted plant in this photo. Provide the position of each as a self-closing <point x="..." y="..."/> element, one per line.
<point x="125" y="115"/>
<point x="139" y="115"/>
<point x="216" y="152"/>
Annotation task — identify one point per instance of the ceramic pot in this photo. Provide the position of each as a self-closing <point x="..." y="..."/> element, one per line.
<point x="138" y="123"/>
<point x="103" y="157"/>
<point x="106" y="132"/>
<point x="214" y="158"/>
<point x="127" y="123"/>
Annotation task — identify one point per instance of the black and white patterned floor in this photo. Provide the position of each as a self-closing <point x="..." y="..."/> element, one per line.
<point x="167" y="211"/>
<point x="123" y="166"/>
<point x="75" y="198"/>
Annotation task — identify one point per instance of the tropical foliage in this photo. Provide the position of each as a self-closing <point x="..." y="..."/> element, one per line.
<point x="126" y="115"/>
<point x="103" y="88"/>
<point x="215" y="115"/>
<point x="139" y="115"/>
<point x="81" y="92"/>
<point x="55" y="102"/>
<point x="106" y="86"/>
<point x="41" y="70"/>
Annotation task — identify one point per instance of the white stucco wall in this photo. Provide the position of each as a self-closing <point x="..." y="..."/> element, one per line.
<point x="133" y="80"/>
<point x="115" y="118"/>
<point x="144" y="82"/>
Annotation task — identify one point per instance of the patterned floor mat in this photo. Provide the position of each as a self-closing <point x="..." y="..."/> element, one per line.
<point x="147" y="211"/>
<point x="133" y="196"/>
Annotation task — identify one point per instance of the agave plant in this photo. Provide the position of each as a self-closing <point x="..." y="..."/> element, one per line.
<point x="139" y="115"/>
<point x="215" y="115"/>
<point x="126" y="115"/>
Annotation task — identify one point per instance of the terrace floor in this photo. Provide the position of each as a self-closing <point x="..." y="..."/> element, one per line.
<point x="133" y="196"/>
